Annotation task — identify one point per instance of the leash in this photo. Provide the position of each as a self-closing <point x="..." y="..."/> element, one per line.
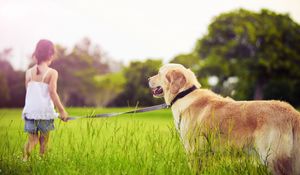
<point x="147" y="109"/>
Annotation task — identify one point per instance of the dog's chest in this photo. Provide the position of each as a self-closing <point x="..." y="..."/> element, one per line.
<point x="181" y="123"/>
<point x="177" y="111"/>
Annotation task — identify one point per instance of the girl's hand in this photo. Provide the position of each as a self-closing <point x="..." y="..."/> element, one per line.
<point x="64" y="116"/>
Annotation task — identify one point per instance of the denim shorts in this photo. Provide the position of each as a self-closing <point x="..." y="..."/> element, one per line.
<point x="33" y="126"/>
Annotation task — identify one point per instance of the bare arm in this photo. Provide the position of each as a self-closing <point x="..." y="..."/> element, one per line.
<point x="54" y="96"/>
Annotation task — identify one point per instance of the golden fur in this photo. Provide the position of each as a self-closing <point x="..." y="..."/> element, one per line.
<point x="271" y="127"/>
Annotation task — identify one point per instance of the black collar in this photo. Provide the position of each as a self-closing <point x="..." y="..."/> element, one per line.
<point x="183" y="94"/>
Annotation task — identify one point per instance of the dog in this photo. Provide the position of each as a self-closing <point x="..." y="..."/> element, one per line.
<point x="271" y="127"/>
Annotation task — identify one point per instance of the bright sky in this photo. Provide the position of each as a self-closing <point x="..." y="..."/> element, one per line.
<point x="126" y="29"/>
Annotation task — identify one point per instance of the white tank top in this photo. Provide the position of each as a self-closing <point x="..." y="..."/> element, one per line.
<point x="38" y="103"/>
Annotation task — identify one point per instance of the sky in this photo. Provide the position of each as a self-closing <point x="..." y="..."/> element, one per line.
<point x="125" y="29"/>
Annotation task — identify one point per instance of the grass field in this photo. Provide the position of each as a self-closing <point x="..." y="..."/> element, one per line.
<point x="130" y="144"/>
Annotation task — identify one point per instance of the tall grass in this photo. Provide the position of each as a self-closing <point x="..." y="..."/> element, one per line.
<point x="137" y="144"/>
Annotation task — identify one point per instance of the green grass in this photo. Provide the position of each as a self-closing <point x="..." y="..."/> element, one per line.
<point x="129" y="144"/>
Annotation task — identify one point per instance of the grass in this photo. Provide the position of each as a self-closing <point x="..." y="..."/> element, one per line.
<point x="130" y="144"/>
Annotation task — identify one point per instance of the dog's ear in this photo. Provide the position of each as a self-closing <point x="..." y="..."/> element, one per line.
<point x="176" y="80"/>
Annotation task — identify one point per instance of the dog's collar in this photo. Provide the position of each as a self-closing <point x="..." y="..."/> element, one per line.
<point x="183" y="94"/>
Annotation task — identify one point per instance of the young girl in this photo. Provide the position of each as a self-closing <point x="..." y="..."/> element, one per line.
<point x="41" y="96"/>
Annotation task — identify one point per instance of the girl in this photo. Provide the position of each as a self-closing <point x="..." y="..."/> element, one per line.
<point x="39" y="112"/>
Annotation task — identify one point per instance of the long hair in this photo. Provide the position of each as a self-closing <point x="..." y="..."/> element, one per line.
<point x="43" y="52"/>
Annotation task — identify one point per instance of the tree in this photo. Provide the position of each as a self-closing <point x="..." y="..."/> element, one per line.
<point x="77" y="72"/>
<point x="136" y="90"/>
<point x="4" y="91"/>
<point x="190" y="60"/>
<point x="84" y="77"/>
<point x="110" y="85"/>
<point x="16" y="84"/>
<point x="12" y="92"/>
<point x="254" y="47"/>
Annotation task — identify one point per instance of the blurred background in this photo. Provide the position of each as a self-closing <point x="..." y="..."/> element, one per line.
<point x="106" y="50"/>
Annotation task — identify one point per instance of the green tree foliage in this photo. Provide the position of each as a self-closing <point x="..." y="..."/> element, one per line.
<point x="258" y="48"/>
<point x="110" y="86"/>
<point x="136" y="90"/>
<point x="190" y="60"/>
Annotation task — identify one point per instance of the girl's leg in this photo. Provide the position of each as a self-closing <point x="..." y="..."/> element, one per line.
<point x="31" y="143"/>
<point x="44" y="137"/>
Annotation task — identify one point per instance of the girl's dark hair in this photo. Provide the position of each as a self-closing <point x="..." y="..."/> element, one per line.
<point x="43" y="52"/>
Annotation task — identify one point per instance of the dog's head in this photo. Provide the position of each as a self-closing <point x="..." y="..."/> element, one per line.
<point x="171" y="80"/>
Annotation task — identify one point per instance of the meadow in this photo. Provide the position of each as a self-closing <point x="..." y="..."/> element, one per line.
<point x="145" y="143"/>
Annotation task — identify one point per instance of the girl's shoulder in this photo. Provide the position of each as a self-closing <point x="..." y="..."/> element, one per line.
<point x="29" y="71"/>
<point x="52" y="74"/>
<point x="52" y="71"/>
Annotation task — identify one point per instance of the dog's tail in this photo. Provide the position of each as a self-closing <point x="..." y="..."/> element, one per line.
<point x="296" y="145"/>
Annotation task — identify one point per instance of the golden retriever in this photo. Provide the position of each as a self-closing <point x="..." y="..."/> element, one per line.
<point x="271" y="127"/>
